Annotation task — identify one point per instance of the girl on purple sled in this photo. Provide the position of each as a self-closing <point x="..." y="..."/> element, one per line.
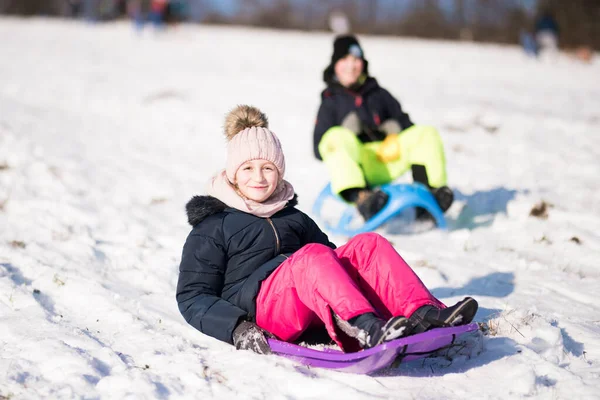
<point x="254" y="266"/>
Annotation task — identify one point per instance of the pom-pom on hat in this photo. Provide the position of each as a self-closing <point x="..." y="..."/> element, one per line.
<point x="249" y="138"/>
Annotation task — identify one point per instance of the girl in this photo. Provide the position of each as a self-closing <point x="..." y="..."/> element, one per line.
<point x="365" y="138"/>
<point x="255" y="266"/>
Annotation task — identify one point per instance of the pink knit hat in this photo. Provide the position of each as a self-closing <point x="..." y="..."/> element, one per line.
<point x="246" y="129"/>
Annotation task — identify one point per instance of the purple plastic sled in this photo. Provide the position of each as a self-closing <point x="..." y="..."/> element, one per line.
<point x="371" y="360"/>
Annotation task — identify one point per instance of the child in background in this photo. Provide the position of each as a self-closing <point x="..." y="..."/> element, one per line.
<point x="365" y="138"/>
<point x="255" y="266"/>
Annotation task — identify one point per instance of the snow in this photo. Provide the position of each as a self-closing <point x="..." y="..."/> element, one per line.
<point x="105" y="134"/>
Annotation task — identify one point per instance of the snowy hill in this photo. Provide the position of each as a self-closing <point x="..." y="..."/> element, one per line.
<point x="105" y="134"/>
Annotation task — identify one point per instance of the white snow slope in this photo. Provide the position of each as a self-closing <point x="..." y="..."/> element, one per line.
<point x="105" y="135"/>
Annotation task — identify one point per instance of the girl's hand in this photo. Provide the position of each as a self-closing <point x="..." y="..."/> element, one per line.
<point x="249" y="336"/>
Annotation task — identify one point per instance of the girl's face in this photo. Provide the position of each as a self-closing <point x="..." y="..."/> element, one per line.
<point x="257" y="179"/>
<point x="348" y="70"/>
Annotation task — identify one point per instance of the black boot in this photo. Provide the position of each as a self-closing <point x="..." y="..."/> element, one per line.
<point x="370" y="330"/>
<point x="369" y="203"/>
<point x="394" y="328"/>
<point x="444" y="197"/>
<point x="429" y="317"/>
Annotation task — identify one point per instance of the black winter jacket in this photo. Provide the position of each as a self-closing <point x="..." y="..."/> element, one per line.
<point x="372" y="103"/>
<point x="228" y="254"/>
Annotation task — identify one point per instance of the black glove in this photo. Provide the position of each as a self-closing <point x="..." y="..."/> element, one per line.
<point x="249" y="336"/>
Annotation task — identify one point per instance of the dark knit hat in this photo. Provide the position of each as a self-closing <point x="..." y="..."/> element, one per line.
<point x="342" y="46"/>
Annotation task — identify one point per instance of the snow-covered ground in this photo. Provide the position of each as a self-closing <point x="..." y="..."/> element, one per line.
<point x="105" y="134"/>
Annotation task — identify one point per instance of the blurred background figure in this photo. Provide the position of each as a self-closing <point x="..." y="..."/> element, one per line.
<point x="339" y="23"/>
<point x="177" y="11"/>
<point x="157" y="13"/>
<point x="546" y="34"/>
<point x="137" y="9"/>
<point x="529" y="44"/>
<point x="147" y="11"/>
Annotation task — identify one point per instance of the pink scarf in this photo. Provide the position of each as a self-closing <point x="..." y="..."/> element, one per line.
<point x="220" y="188"/>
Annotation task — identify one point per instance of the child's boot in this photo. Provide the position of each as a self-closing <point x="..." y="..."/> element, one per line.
<point x="370" y="202"/>
<point x="429" y="317"/>
<point x="444" y="197"/>
<point x="371" y="330"/>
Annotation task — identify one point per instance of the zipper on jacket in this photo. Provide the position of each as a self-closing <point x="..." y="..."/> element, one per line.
<point x="278" y="244"/>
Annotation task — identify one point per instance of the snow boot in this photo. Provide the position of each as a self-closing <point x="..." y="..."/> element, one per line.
<point x="444" y="197"/>
<point x="370" y="330"/>
<point x="429" y="317"/>
<point x="370" y="202"/>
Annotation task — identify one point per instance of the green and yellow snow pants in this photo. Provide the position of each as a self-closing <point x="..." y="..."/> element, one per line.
<point x="353" y="164"/>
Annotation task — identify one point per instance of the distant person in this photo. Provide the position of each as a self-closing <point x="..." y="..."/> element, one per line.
<point x="547" y="33"/>
<point x="158" y="12"/>
<point x="255" y="266"/>
<point x="339" y="23"/>
<point x="176" y="11"/>
<point x="365" y="138"/>
<point x="137" y="9"/>
<point x="529" y="43"/>
<point x="143" y="11"/>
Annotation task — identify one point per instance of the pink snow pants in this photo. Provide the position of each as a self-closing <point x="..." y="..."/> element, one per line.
<point x="364" y="275"/>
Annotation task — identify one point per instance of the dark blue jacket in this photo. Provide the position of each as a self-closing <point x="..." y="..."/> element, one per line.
<point x="372" y="103"/>
<point x="546" y="23"/>
<point x="228" y="254"/>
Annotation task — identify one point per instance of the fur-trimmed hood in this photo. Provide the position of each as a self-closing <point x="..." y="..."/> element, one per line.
<point x="201" y="207"/>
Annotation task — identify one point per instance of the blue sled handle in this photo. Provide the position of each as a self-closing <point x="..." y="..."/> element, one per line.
<point x="402" y="196"/>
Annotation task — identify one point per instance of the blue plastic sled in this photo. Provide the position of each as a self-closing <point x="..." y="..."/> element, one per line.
<point x="402" y="196"/>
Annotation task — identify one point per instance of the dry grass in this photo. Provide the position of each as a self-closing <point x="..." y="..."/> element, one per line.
<point x="540" y="210"/>
<point x="17" y="244"/>
<point x="499" y="323"/>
